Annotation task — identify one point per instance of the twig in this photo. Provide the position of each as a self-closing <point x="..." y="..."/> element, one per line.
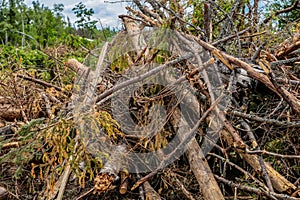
<point x="261" y="161"/>
<point x="183" y="189"/>
<point x="147" y="12"/>
<point x="86" y="193"/>
<point x="38" y="81"/>
<point x="264" y="120"/>
<point x="287" y="96"/>
<point x="154" y="15"/>
<point x="262" y="152"/>
<point x="208" y="21"/>
<point x="240" y="169"/>
<point x="156" y="8"/>
<point x="259" y="191"/>
<point x="257" y="52"/>
<point x="292" y="82"/>
<point x="253" y="35"/>
<point x="48" y="106"/>
<point x="288" y="9"/>
<point x="143" y="16"/>
<point x="284" y="62"/>
<point x="233" y="139"/>
<point x="229" y="17"/>
<point x="179" y="18"/>
<point x="103" y="31"/>
<point x="230" y="37"/>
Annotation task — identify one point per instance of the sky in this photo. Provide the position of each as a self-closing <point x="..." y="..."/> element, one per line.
<point x="106" y="12"/>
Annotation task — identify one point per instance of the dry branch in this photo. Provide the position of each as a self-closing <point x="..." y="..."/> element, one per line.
<point x="10" y="113"/>
<point x="269" y="194"/>
<point x="290" y="98"/>
<point x="233" y="139"/>
<point x="264" y="152"/>
<point x="288" y="9"/>
<point x="150" y="193"/>
<point x="250" y="70"/>
<point x="268" y="182"/>
<point x="264" y="120"/>
<point x="288" y="50"/>
<point x="38" y="81"/>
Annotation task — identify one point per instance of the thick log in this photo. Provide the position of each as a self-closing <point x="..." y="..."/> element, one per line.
<point x="208" y="185"/>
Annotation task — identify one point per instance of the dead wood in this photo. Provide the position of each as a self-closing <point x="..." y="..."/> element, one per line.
<point x="288" y="50"/>
<point x="3" y="193"/>
<point x="226" y="59"/>
<point x="150" y="193"/>
<point x="8" y="109"/>
<point x="250" y="70"/>
<point x="254" y="120"/>
<point x="233" y="139"/>
<point x="38" y="81"/>
<point x="270" y="195"/>
<point x="124" y="182"/>
<point x="83" y="71"/>
<point x="208" y="186"/>
<point x="11" y="145"/>
<point x="7" y="130"/>
<point x="183" y="188"/>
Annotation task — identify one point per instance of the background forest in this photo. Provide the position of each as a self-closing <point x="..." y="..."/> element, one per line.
<point x="42" y="54"/>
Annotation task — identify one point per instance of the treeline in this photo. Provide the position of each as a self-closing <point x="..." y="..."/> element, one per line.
<point x="40" y="26"/>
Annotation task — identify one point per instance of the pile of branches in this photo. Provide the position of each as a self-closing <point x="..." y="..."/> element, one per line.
<point x="63" y="138"/>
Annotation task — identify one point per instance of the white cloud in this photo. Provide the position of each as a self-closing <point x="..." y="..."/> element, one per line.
<point x="106" y="12"/>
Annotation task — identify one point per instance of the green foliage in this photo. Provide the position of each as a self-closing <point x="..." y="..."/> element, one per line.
<point x="39" y="26"/>
<point x="27" y="139"/>
<point x="24" y="130"/>
<point x="284" y="18"/>
<point x="13" y="57"/>
<point x="84" y="21"/>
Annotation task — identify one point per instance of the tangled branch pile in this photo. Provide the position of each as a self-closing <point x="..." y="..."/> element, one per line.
<point x="241" y="79"/>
